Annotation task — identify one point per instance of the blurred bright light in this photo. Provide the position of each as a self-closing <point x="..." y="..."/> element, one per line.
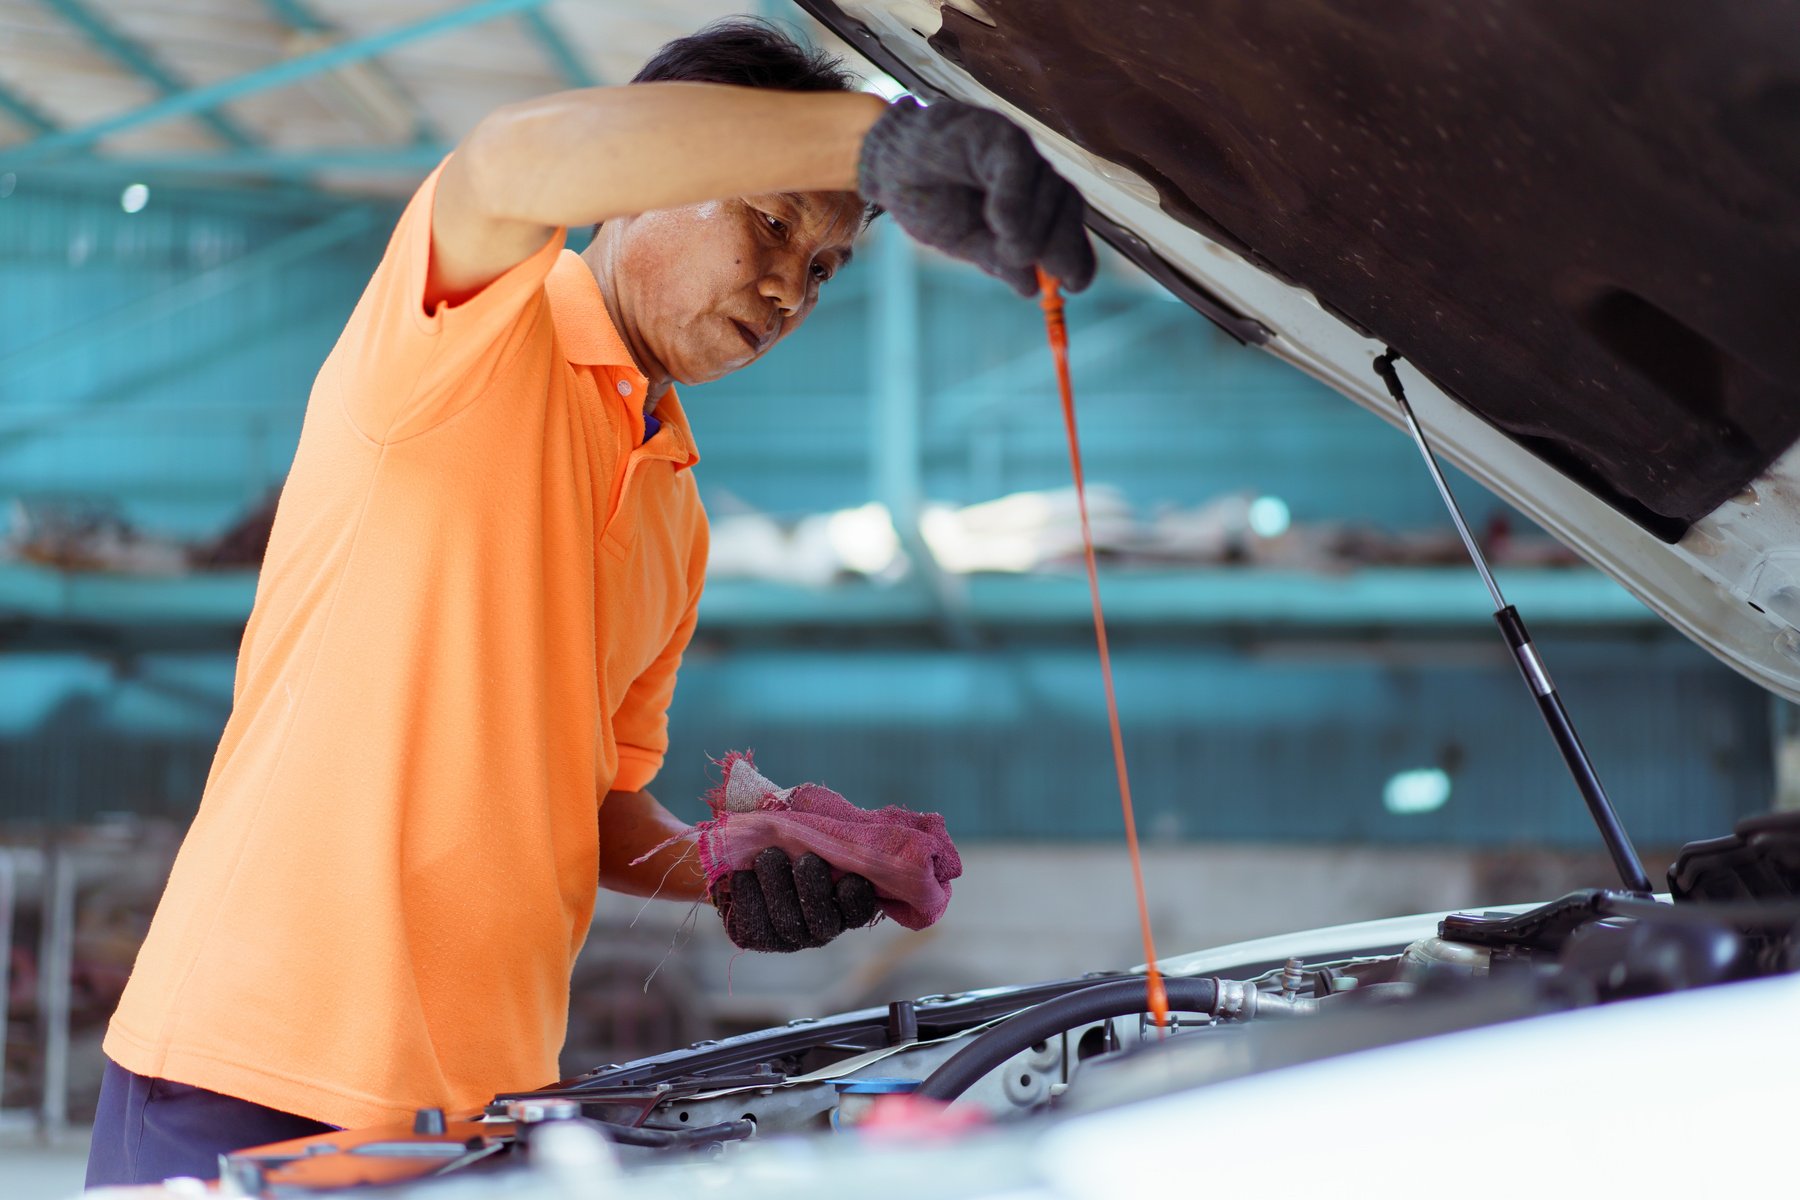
<point x="864" y="538"/>
<point x="1418" y="791"/>
<point x="134" y="197"/>
<point x="884" y="86"/>
<point x="1269" y="516"/>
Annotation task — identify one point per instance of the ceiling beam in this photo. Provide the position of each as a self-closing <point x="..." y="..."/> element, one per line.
<point x="273" y="76"/>
<point x="554" y="42"/>
<point x="25" y="112"/>
<point x="299" y="16"/>
<point x="276" y="195"/>
<point x="420" y="157"/>
<point x="134" y="58"/>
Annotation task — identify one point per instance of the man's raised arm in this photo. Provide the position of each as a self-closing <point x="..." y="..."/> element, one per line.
<point x="581" y="157"/>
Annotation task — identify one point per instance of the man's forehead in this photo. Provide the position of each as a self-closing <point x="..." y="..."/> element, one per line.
<point x="834" y="218"/>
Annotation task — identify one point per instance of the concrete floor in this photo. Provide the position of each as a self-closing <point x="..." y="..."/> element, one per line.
<point x="30" y="1170"/>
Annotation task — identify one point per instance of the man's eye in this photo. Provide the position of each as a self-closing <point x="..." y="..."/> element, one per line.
<point x="777" y="224"/>
<point x="821" y="272"/>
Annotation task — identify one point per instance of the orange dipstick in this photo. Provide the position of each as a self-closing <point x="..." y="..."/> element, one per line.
<point x="1050" y="296"/>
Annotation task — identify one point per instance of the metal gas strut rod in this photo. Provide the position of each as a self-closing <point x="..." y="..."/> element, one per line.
<point x="1518" y="639"/>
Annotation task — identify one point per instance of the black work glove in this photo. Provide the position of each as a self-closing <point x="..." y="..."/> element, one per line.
<point x="781" y="906"/>
<point x="969" y="182"/>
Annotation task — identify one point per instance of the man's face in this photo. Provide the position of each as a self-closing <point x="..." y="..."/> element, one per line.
<point x="709" y="288"/>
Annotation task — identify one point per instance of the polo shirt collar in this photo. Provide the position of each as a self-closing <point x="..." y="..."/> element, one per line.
<point x="582" y="324"/>
<point x="588" y="337"/>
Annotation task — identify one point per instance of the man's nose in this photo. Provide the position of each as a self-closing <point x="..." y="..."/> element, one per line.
<point x="784" y="283"/>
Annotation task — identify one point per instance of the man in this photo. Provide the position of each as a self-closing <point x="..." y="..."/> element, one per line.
<point x="483" y="573"/>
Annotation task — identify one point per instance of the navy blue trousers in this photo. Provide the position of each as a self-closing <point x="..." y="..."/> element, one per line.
<point x="148" y="1130"/>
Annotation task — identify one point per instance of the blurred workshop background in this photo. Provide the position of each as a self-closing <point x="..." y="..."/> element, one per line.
<point x="1321" y="724"/>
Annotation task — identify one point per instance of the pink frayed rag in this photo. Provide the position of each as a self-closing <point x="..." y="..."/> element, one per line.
<point x="907" y="856"/>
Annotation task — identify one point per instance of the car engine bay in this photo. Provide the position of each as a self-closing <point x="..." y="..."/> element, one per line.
<point x="1023" y="1056"/>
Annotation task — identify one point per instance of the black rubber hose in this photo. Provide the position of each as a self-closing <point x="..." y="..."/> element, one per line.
<point x="1114" y="998"/>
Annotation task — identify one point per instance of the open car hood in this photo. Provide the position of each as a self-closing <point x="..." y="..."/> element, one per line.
<point x="1579" y="224"/>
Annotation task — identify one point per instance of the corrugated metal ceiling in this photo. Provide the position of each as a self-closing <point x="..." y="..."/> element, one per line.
<point x="66" y="65"/>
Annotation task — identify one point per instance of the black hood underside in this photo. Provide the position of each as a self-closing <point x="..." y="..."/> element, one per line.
<point x="1580" y="220"/>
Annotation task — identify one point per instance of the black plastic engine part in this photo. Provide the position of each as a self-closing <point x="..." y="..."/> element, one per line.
<point x="1625" y="958"/>
<point x="902" y="1023"/>
<point x="662" y="1139"/>
<point x="1117" y="998"/>
<point x="1760" y="860"/>
<point x="1544" y="928"/>
<point x="1684" y="945"/>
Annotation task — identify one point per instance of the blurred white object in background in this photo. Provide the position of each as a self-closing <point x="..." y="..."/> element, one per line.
<point x="865" y="540"/>
<point x="1026" y="530"/>
<point x="749" y="545"/>
<point x="1216" y="531"/>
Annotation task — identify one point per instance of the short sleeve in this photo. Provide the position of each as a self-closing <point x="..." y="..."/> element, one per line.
<point x="399" y="370"/>
<point x="641" y="725"/>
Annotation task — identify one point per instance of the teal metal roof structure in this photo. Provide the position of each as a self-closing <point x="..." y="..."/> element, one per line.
<point x="334" y="94"/>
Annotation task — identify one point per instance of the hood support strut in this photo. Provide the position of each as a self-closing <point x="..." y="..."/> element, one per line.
<point x="1531" y="666"/>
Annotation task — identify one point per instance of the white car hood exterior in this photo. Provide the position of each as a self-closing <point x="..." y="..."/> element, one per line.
<point x="1742" y="557"/>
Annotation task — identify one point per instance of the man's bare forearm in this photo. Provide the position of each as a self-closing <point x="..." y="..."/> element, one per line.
<point x="631" y="825"/>
<point x="582" y="157"/>
<point x="579" y="157"/>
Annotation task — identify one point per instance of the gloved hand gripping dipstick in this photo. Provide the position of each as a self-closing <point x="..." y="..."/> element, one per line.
<point x="969" y="182"/>
<point x="1518" y="639"/>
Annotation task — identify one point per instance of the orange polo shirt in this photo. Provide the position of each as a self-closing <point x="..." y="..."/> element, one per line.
<point x="466" y="632"/>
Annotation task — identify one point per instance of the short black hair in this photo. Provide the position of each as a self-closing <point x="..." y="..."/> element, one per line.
<point x="749" y="52"/>
<point x="746" y="52"/>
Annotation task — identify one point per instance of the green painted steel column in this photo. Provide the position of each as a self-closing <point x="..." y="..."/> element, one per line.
<point x="894" y="378"/>
<point x="896" y="454"/>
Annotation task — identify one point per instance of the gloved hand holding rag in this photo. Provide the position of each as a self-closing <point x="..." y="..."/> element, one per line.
<point x="791" y="868"/>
